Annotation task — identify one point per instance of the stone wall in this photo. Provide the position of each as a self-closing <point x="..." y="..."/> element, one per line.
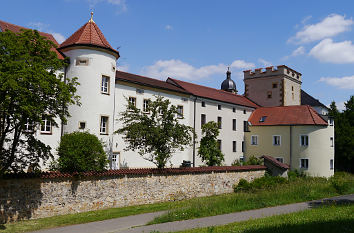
<point x="30" y="198"/>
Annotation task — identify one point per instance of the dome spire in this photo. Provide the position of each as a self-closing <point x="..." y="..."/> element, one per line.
<point x="228" y="84"/>
<point x="91" y="19"/>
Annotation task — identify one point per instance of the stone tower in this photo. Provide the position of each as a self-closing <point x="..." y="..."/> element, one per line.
<point x="273" y="87"/>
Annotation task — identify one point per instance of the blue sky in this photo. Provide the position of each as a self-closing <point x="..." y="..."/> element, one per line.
<point x="196" y="40"/>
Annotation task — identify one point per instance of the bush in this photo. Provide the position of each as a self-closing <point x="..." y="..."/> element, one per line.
<point x="292" y="175"/>
<point x="265" y="182"/>
<point x="342" y="182"/>
<point x="253" y="161"/>
<point x="81" y="151"/>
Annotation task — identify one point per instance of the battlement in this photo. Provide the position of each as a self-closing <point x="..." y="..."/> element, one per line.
<point x="272" y="71"/>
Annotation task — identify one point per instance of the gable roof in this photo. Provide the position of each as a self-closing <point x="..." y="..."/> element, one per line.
<point x="275" y="162"/>
<point x="307" y="99"/>
<point x="286" y="115"/>
<point x="90" y="35"/>
<point x="145" y="81"/>
<point x="212" y="93"/>
<point x="17" y="29"/>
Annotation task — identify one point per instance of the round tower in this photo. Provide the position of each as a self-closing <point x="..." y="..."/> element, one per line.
<point x="93" y="62"/>
<point x="228" y="84"/>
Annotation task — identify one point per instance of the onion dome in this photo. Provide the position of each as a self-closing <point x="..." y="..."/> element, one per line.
<point x="228" y="84"/>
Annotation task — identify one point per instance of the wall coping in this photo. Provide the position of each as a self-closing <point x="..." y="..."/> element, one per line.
<point x="136" y="171"/>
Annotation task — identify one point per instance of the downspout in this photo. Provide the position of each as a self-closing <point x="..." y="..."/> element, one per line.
<point x="291" y="146"/>
<point x="195" y="100"/>
<point x="62" y="124"/>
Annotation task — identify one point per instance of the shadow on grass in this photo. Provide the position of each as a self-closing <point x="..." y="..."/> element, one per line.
<point x="330" y="201"/>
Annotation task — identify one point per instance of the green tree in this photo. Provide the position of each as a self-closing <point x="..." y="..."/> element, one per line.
<point x="29" y="88"/>
<point x="209" y="149"/>
<point x="81" y="151"/>
<point x="156" y="135"/>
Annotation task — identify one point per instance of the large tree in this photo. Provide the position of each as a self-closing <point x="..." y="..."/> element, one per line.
<point x="29" y="88"/>
<point x="155" y="133"/>
<point x="209" y="147"/>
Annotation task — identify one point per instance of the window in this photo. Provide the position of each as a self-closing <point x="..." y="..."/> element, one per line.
<point x="292" y="88"/>
<point x="82" y="61"/>
<point x="219" y="144"/>
<point x="331" y="164"/>
<point x="146" y="105"/>
<point x="82" y="125"/>
<point x="233" y="109"/>
<point x="219" y="122"/>
<point x="139" y="91"/>
<point x="105" y="85"/>
<point x="46" y="126"/>
<point x="115" y="160"/>
<point x="332" y="141"/>
<point x="28" y="126"/>
<point x="263" y="118"/>
<point x="280" y="159"/>
<point x="331" y="121"/>
<point x="292" y="96"/>
<point x="132" y="101"/>
<point x="180" y="111"/>
<point x="244" y="111"/>
<point x="243" y="146"/>
<point x="269" y="94"/>
<point x="276" y="140"/>
<point x="203" y="104"/>
<point x="219" y="107"/>
<point x="304" y="140"/>
<point x="104" y="125"/>
<point x="304" y="163"/>
<point x="202" y="119"/>
<point x="275" y="85"/>
<point x="234" y="124"/>
<point x="245" y="126"/>
<point x="242" y="159"/>
<point x="254" y="140"/>
<point x="233" y="146"/>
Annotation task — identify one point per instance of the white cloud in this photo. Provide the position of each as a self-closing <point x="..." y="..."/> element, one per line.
<point x="264" y="63"/>
<point x="38" y="26"/>
<point x="298" y="51"/>
<point x="331" y="26"/>
<point x="45" y="28"/>
<point x="124" y="68"/>
<point x="121" y="4"/>
<point x="332" y="52"/>
<point x="59" y="37"/>
<point x="181" y="70"/>
<point x="343" y="82"/>
<point x="168" y="27"/>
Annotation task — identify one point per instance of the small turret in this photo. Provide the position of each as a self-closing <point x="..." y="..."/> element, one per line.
<point x="228" y="84"/>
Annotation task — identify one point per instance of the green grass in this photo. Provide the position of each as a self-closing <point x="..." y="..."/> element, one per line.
<point x="336" y="219"/>
<point x="296" y="190"/>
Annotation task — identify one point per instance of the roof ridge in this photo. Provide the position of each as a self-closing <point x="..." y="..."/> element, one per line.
<point x="100" y="34"/>
<point x="143" y="76"/>
<point x="26" y="28"/>
<point x="313" y="119"/>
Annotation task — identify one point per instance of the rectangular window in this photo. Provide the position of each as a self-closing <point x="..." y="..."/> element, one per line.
<point x="115" y="160"/>
<point x="280" y="159"/>
<point x="146" y="105"/>
<point x="180" y="111"/>
<point x="202" y="119"/>
<point x="219" y="144"/>
<point x="276" y="140"/>
<point x="219" y="107"/>
<point x="331" y="121"/>
<point x="219" y="122"/>
<point x="82" y="61"/>
<point x="269" y="94"/>
<point x="234" y="124"/>
<point x="275" y="85"/>
<point x="244" y="111"/>
<point x="233" y="146"/>
<point x="233" y="109"/>
<point x="104" y="125"/>
<point x="332" y="141"/>
<point x="105" y="85"/>
<point x="82" y="125"/>
<point x="243" y="146"/>
<point x="245" y="126"/>
<point x="304" y="140"/>
<point x="331" y="164"/>
<point x="254" y="140"/>
<point x="203" y="104"/>
<point x="242" y="159"/>
<point x="28" y="126"/>
<point x="132" y="101"/>
<point x="304" y="163"/>
<point x="263" y="118"/>
<point x="46" y="126"/>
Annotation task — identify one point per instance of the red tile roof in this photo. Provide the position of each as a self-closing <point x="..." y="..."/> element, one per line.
<point x="145" y="81"/>
<point x="275" y="162"/>
<point x="17" y="29"/>
<point x="212" y="93"/>
<point x="287" y="115"/>
<point x="89" y="34"/>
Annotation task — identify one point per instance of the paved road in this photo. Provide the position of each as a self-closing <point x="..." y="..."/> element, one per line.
<point x="135" y="224"/>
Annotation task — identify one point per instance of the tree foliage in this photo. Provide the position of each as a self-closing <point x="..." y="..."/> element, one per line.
<point x="29" y="88"/>
<point x="209" y="149"/>
<point x="81" y="151"/>
<point x="344" y="136"/>
<point x="157" y="133"/>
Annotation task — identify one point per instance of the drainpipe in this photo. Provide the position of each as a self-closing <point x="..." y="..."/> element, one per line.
<point x="62" y="124"/>
<point x="291" y="146"/>
<point x="195" y="100"/>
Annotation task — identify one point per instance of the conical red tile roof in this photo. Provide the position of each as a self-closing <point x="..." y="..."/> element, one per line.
<point x="89" y="34"/>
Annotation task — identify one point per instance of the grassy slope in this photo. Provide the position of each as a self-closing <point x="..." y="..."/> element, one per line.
<point x="331" y="219"/>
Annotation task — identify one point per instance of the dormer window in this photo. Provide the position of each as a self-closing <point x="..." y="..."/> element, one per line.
<point x="263" y="118"/>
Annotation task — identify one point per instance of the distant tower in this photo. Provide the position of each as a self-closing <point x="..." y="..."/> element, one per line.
<point x="93" y="62"/>
<point x="273" y="87"/>
<point x="228" y="84"/>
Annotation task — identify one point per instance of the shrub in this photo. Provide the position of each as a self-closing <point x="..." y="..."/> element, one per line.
<point x="236" y="162"/>
<point x="342" y="182"/>
<point x="81" y="151"/>
<point x="296" y="174"/>
<point x="243" y="185"/>
<point x="265" y="182"/>
<point x="253" y="161"/>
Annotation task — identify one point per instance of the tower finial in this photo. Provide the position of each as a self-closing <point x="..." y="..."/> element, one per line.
<point x="91" y="19"/>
